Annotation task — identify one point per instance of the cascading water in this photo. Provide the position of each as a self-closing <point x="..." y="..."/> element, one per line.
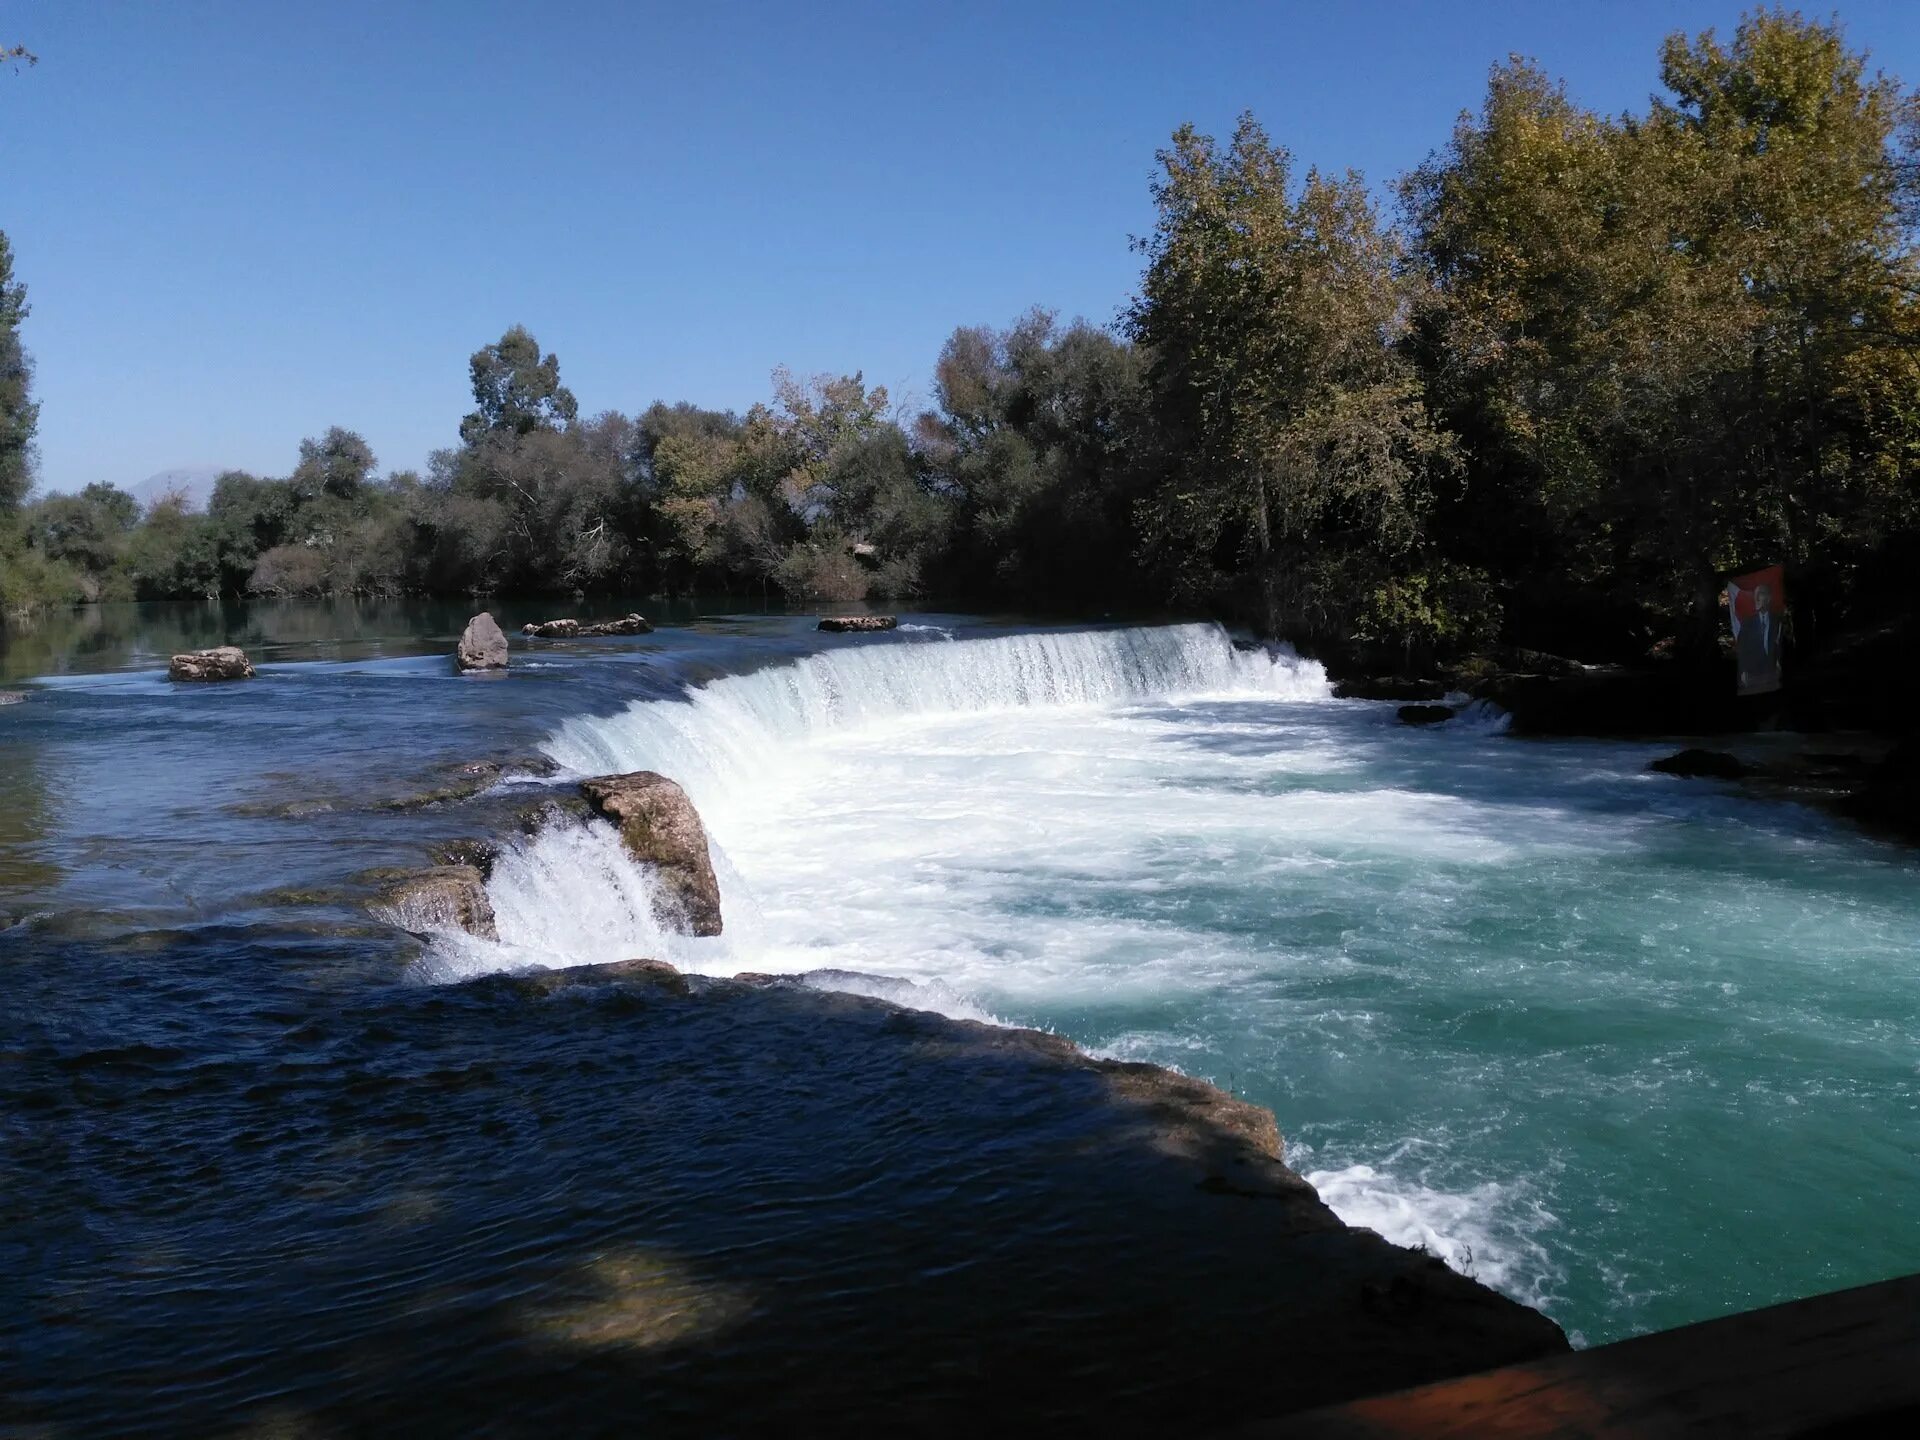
<point x="570" y="896"/>
<point x="728" y="732"/>
<point x="1488" y="987"/>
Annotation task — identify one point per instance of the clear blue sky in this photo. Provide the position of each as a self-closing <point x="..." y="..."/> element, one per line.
<point x="242" y="222"/>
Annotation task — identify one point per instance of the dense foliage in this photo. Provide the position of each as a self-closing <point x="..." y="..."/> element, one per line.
<point x="1592" y="364"/>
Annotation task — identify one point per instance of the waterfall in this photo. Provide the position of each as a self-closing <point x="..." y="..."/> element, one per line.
<point x="725" y="733"/>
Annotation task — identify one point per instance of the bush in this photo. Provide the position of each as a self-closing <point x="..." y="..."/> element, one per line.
<point x="289" y="570"/>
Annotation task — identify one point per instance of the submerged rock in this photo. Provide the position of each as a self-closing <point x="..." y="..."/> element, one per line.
<point x="483" y="646"/>
<point x="223" y="662"/>
<point x="1890" y="795"/>
<point x="641" y="974"/>
<point x="548" y="810"/>
<point x="461" y="782"/>
<point x="447" y="897"/>
<point x="660" y="827"/>
<point x="1388" y="687"/>
<point x="1425" y="714"/>
<point x="858" y="623"/>
<point x="470" y="851"/>
<point x="632" y="624"/>
<point x="1702" y="764"/>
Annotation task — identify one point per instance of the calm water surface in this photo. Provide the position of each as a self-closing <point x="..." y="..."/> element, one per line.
<point x="1635" y="1050"/>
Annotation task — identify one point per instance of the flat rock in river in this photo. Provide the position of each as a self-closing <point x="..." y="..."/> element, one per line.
<point x="568" y="629"/>
<point x="223" y="662"/>
<point x="858" y="623"/>
<point x="447" y="897"/>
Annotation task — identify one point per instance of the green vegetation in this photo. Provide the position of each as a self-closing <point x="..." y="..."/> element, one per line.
<point x="1592" y="363"/>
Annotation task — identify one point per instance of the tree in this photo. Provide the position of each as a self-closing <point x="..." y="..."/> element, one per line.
<point x="1033" y="446"/>
<point x="19" y="415"/>
<point x="1678" y="344"/>
<point x="338" y="464"/>
<point x="516" y="390"/>
<point x="1294" y="453"/>
<point x="87" y="531"/>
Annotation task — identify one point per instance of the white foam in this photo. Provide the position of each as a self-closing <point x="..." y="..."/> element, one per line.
<point x="1489" y="1232"/>
<point x="570" y="896"/>
<point x="1482" y="717"/>
<point x="730" y="732"/>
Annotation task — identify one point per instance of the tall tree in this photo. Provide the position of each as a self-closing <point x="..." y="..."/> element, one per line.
<point x="1676" y="344"/>
<point x="19" y="414"/>
<point x="516" y="389"/>
<point x="1294" y="450"/>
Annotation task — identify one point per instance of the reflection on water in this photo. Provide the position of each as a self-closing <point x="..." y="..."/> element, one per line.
<point x="87" y="639"/>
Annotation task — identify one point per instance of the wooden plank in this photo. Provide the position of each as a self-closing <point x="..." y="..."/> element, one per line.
<point x="1840" y="1364"/>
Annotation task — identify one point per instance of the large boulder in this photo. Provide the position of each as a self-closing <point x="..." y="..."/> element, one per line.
<point x="859" y="623"/>
<point x="1425" y="714"/>
<point x="1698" y="764"/>
<point x="660" y="827"/>
<point x="483" y="646"/>
<point x="447" y="897"/>
<point x="224" y="662"/>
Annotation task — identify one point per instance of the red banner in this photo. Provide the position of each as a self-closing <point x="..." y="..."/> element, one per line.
<point x="1757" y="611"/>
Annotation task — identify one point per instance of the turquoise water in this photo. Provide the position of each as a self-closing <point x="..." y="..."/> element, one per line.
<point x="1635" y="1049"/>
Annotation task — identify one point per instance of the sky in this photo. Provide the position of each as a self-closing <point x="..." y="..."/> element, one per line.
<point x="240" y="223"/>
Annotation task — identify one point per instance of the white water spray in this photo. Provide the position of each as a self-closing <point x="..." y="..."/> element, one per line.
<point x="728" y="733"/>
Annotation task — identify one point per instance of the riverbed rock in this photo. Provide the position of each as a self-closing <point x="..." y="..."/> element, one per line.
<point x="1425" y="714"/>
<point x="858" y="624"/>
<point x="12" y="697"/>
<point x="447" y="897"/>
<point x="655" y="975"/>
<point x="660" y="827"/>
<point x="1890" y="794"/>
<point x="223" y="662"/>
<point x="471" y="851"/>
<point x="1697" y="764"/>
<point x="1388" y="687"/>
<point x="568" y="629"/>
<point x="454" y="783"/>
<point x="482" y="645"/>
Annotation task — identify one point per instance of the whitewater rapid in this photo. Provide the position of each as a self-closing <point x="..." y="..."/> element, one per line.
<point x="879" y="814"/>
<point x="1486" y="986"/>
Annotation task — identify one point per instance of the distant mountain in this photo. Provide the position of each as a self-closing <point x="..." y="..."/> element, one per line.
<point x="195" y="480"/>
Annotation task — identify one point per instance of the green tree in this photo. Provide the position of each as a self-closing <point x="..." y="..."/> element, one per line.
<point x="88" y="531"/>
<point x="1294" y="454"/>
<point x="19" y="415"/>
<point x="516" y="390"/>
<point x="339" y="464"/>
<point x="1676" y="344"/>
<point x="1032" y="443"/>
